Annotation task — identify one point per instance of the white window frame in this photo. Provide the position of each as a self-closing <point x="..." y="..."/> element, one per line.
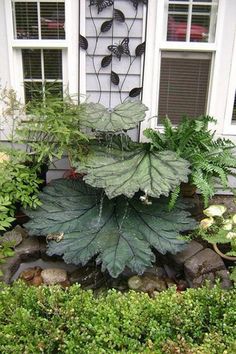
<point x="156" y="43"/>
<point x="73" y="68"/>
<point x="229" y="127"/>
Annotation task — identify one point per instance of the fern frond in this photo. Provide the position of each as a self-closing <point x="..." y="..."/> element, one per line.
<point x="173" y="198"/>
<point x="203" y="184"/>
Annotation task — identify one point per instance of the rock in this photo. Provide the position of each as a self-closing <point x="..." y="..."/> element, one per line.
<point x="9" y="268"/>
<point x="37" y="280"/>
<point x="29" y="249"/>
<point x="170" y="282"/>
<point x="192" y="248"/>
<point x="21" y="230"/>
<point x="146" y="283"/>
<point x="173" y="272"/>
<point x="29" y="273"/>
<point x="202" y="279"/>
<point x="13" y="237"/>
<point x="205" y="261"/>
<point x="54" y="276"/>
<point x="32" y="276"/>
<point x="135" y="282"/>
<point x="156" y="270"/>
<point x="182" y="285"/>
<point x="88" y="277"/>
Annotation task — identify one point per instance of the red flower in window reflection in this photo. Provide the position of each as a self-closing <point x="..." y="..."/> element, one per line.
<point x="177" y="31"/>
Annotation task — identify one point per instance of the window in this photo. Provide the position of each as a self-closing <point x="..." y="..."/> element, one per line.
<point x="181" y="60"/>
<point x="42" y="71"/>
<point x="42" y="67"/>
<point x="192" y="21"/>
<point x="39" y="20"/>
<point x="43" y="46"/>
<point x="184" y="81"/>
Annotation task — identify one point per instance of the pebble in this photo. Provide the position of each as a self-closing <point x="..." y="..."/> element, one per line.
<point x="54" y="276"/>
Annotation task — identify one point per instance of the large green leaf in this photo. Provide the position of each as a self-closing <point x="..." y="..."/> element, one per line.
<point x="129" y="167"/>
<point x="123" y="117"/>
<point x="120" y="232"/>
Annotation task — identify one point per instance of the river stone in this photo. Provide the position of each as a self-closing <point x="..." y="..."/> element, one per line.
<point x="192" y="248"/>
<point x="54" y="276"/>
<point x="146" y="283"/>
<point x="205" y="261"/>
<point x="29" y="249"/>
<point x="9" y="268"/>
<point x="155" y="270"/>
<point x="202" y="279"/>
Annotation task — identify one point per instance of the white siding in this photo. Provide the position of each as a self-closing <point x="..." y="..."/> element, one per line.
<point x="105" y="39"/>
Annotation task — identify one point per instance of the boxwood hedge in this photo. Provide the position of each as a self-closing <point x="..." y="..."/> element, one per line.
<point x="53" y="320"/>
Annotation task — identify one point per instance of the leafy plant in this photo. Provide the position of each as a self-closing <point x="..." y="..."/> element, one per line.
<point x="123" y="167"/>
<point x="74" y="321"/>
<point x="6" y="250"/>
<point x="6" y="212"/>
<point x="218" y="229"/>
<point x="124" y="116"/>
<point x="211" y="159"/>
<point x="19" y="184"/>
<point x="52" y="128"/>
<point x="233" y="274"/>
<point x="120" y="232"/>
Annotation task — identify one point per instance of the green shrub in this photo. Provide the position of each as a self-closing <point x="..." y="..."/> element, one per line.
<point x="52" y="320"/>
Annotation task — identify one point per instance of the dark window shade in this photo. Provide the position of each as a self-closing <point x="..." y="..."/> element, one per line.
<point x="32" y="63"/>
<point x="234" y="110"/>
<point x="52" y="20"/>
<point x="52" y="64"/>
<point x="183" y="87"/>
<point x="26" y="20"/>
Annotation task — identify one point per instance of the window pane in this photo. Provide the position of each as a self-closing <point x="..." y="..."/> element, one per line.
<point x="26" y="20"/>
<point x="52" y="20"/>
<point x="33" y="91"/>
<point x="192" y="22"/>
<point x="183" y="85"/>
<point x="52" y="64"/>
<point x="32" y="63"/>
<point x="54" y="88"/>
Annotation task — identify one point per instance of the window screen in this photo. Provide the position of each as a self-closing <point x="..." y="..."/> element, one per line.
<point x="42" y="70"/>
<point x="39" y="20"/>
<point x="184" y="81"/>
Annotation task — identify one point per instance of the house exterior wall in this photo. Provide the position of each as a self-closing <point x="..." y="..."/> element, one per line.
<point x="222" y="83"/>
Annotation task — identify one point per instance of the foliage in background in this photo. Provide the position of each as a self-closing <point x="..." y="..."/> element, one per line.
<point x="218" y="228"/>
<point x="52" y="320"/>
<point x="119" y="232"/>
<point x="6" y="212"/>
<point x="19" y="184"/>
<point x="52" y="128"/>
<point x="211" y="159"/>
<point x="6" y="250"/>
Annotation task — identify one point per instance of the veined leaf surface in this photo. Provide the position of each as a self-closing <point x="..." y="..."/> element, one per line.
<point x="123" y="170"/>
<point x="119" y="232"/>
<point x="124" y="116"/>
